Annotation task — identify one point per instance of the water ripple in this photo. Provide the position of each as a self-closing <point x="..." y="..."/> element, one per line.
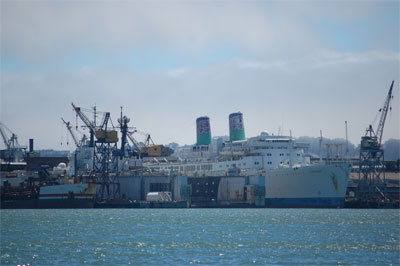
<point x="199" y="236"/>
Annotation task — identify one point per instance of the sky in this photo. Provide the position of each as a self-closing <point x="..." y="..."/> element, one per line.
<point x="289" y="66"/>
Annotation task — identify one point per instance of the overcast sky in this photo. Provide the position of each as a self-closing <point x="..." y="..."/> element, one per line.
<point x="299" y="66"/>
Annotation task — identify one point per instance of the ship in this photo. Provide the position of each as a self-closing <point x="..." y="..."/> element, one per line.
<point x="231" y="172"/>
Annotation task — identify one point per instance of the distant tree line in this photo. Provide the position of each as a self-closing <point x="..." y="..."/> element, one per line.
<point x="391" y="147"/>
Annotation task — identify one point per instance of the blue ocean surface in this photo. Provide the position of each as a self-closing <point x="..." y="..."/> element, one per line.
<point x="200" y="237"/>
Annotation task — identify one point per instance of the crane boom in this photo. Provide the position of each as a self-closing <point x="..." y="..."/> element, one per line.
<point x="133" y="140"/>
<point x="384" y="110"/>
<point x="84" y="118"/>
<point x="11" y="143"/>
<point x="148" y="140"/>
<point x="4" y="136"/>
<point x="68" y="125"/>
<point x="105" y="120"/>
<point x="87" y="122"/>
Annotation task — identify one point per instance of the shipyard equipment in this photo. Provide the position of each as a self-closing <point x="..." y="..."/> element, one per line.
<point x="105" y="158"/>
<point x="91" y="125"/>
<point x="372" y="186"/>
<point x="125" y="135"/>
<point x="69" y="128"/>
<point x="123" y="122"/>
<point x="105" y="163"/>
<point x="14" y="151"/>
<point x="146" y="149"/>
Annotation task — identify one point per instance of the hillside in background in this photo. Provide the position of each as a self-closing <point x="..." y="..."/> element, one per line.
<point x="391" y="147"/>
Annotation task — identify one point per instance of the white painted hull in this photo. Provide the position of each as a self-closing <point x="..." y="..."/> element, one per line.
<point x="307" y="186"/>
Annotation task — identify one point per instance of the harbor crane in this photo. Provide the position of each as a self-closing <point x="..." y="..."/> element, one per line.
<point x="105" y="155"/>
<point x="13" y="150"/>
<point x="372" y="169"/>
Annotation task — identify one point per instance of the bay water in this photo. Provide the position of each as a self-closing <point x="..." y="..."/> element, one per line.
<point x="200" y="237"/>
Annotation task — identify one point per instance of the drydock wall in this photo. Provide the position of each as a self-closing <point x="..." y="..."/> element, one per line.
<point x="200" y="191"/>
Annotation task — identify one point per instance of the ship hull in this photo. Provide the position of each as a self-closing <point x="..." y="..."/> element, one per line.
<point x="314" y="186"/>
<point x="47" y="204"/>
<point x="67" y="196"/>
<point x="323" y="202"/>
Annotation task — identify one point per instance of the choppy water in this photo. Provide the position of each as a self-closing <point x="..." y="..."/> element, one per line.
<point x="200" y="236"/>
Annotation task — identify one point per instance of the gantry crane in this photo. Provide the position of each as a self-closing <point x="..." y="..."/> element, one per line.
<point x="105" y="156"/>
<point x="372" y="169"/>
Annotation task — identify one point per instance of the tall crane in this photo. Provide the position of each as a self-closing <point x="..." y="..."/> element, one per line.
<point x="371" y="164"/>
<point x="373" y="140"/>
<point x="13" y="149"/>
<point x="69" y="128"/>
<point x="12" y="142"/>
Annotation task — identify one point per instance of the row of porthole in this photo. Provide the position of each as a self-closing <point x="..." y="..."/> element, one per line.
<point x="212" y="191"/>
<point x="233" y="165"/>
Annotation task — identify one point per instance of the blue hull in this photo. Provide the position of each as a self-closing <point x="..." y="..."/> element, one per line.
<point x="304" y="202"/>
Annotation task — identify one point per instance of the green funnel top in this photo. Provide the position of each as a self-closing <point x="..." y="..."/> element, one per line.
<point x="203" y="130"/>
<point x="236" y="127"/>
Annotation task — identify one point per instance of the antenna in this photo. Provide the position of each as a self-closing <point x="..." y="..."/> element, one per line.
<point x="320" y="146"/>
<point x="347" y="141"/>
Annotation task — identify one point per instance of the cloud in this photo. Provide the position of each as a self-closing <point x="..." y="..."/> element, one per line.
<point x="47" y="28"/>
<point x="176" y="73"/>
<point x="320" y="59"/>
<point x="168" y="63"/>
